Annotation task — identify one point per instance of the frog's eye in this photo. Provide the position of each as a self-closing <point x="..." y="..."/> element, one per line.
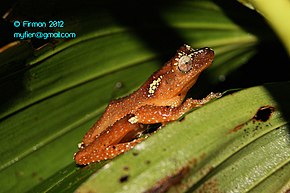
<point x="185" y="63"/>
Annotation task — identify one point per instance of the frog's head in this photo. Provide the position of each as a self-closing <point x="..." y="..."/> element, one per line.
<point x="180" y="73"/>
<point x="189" y="63"/>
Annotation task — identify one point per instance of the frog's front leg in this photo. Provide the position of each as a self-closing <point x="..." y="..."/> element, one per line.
<point x="150" y="114"/>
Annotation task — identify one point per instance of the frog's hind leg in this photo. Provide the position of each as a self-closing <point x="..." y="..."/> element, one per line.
<point x="84" y="157"/>
<point x="106" y="145"/>
<point x="114" y="150"/>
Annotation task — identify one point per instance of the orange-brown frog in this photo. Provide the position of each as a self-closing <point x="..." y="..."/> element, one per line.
<point x="158" y="100"/>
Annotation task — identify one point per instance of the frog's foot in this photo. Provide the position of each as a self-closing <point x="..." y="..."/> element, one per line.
<point x="208" y="98"/>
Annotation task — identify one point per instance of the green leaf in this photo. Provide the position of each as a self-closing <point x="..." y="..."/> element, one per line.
<point x="32" y="133"/>
<point x="205" y="144"/>
<point x="106" y="47"/>
<point x="276" y="14"/>
<point x="248" y="170"/>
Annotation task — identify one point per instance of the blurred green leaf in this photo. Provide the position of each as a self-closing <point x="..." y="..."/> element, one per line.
<point x="276" y="14"/>
<point x="97" y="51"/>
<point x="52" y="127"/>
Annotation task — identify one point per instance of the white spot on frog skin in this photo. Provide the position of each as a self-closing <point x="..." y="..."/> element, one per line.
<point x="133" y="120"/>
<point x="81" y="145"/>
<point x="154" y="85"/>
<point x="187" y="47"/>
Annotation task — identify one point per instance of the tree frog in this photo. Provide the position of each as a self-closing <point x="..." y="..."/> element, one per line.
<point x="159" y="100"/>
